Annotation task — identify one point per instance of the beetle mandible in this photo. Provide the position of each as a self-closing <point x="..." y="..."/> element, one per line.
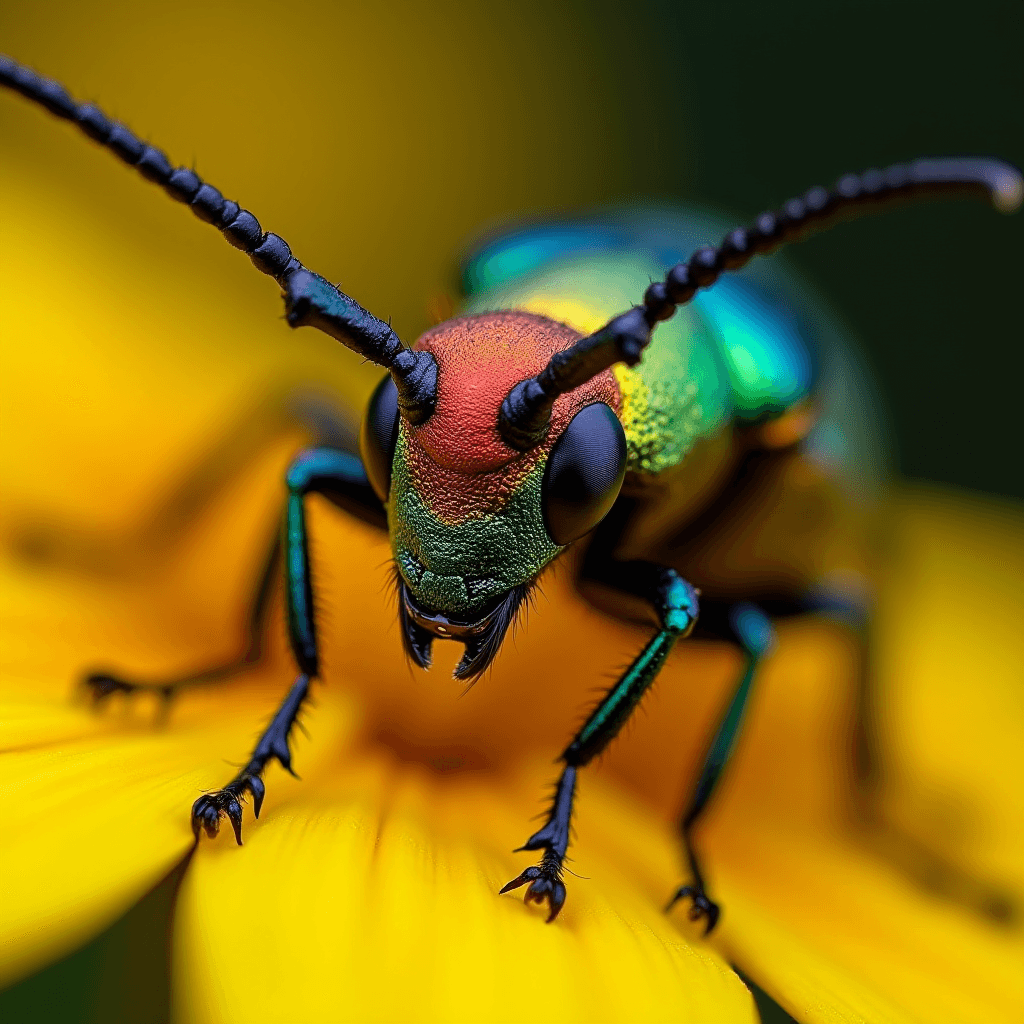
<point x="525" y="427"/>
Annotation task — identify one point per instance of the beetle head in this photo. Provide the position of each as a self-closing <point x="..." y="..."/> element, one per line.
<point x="473" y="521"/>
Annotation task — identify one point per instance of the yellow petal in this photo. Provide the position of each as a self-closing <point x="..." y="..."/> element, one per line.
<point x="91" y="822"/>
<point x="95" y="805"/>
<point x="953" y="667"/>
<point x="117" y="376"/>
<point x="815" y="913"/>
<point x="377" y="900"/>
<point x="835" y="934"/>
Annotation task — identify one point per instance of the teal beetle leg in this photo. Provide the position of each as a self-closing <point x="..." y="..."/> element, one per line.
<point x="340" y="477"/>
<point x="189" y="499"/>
<point x="751" y="628"/>
<point x="675" y="603"/>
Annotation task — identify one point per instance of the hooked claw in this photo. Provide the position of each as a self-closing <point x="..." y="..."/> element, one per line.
<point x="207" y="810"/>
<point x="702" y="906"/>
<point x="544" y="885"/>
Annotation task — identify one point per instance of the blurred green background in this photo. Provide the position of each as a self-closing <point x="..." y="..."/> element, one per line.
<point x="380" y="140"/>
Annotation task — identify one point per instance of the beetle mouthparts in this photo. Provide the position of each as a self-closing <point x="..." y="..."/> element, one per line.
<point x="444" y="627"/>
<point x="482" y="638"/>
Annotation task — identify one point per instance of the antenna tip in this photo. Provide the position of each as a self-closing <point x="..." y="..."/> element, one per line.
<point x="1007" y="190"/>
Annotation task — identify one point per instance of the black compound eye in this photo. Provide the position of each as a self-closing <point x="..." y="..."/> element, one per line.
<point x="584" y="473"/>
<point x="378" y="435"/>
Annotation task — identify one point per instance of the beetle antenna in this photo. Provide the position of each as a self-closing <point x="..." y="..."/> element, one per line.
<point x="526" y="411"/>
<point x="310" y="300"/>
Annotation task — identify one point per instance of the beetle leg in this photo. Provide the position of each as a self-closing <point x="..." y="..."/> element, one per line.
<point x="207" y="810"/>
<point x="340" y="477"/>
<point x="271" y="416"/>
<point x="100" y="686"/>
<point x="751" y="628"/>
<point x="546" y="878"/>
<point x="675" y="603"/>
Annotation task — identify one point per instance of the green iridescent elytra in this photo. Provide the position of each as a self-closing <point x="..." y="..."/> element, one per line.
<point x="680" y="390"/>
<point x="753" y="346"/>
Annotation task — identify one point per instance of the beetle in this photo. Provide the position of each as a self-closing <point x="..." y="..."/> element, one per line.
<point x="541" y="421"/>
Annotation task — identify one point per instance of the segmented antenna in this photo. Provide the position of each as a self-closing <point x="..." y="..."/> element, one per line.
<point x="310" y="300"/>
<point x="526" y="411"/>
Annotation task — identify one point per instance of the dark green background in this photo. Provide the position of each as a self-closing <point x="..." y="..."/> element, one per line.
<point x="784" y="95"/>
<point x="743" y="105"/>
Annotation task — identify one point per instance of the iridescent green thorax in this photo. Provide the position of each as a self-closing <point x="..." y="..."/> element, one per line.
<point x="677" y="394"/>
<point x="662" y="414"/>
<point x="737" y="352"/>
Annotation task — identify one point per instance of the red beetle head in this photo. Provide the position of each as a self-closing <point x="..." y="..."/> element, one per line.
<point x="466" y="512"/>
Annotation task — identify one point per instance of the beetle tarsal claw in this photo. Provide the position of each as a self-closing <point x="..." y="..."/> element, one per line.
<point x="545" y="885"/>
<point x="227" y="802"/>
<point x="701" y="906"/>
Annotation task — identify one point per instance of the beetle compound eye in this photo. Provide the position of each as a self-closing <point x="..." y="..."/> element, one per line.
<point x="378" y="435"/>
<point x="584" y="473"/>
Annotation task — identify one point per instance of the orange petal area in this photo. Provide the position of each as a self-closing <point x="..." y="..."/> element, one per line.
<point x="376" y="899"/>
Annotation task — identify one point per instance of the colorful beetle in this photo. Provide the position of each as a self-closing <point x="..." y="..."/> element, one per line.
<point x="529" y="425"/>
